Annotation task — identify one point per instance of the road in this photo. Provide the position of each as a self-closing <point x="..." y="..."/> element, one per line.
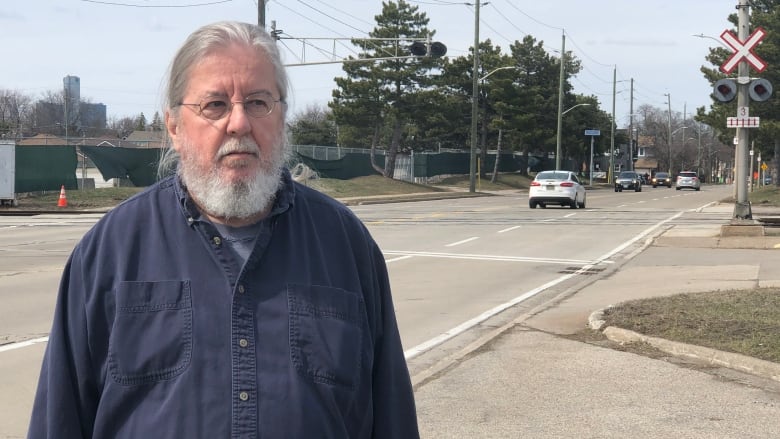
<point x="458" y="268"/>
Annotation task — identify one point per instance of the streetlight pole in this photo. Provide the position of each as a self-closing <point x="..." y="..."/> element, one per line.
<point x="474" y="115"/>
<point x="671" y="134"/>
<point x="560" y="125"/>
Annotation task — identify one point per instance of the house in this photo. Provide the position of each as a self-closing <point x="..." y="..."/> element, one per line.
<point x="147" y="139"/>
<point x="646" y="165"/>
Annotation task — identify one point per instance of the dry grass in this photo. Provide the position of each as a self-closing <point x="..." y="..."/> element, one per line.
<point x="745" y="321"/>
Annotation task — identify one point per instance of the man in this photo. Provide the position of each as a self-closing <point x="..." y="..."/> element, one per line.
<point x="226" y="301"/>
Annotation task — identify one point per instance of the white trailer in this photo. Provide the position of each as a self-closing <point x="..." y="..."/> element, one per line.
<point x="7" y="172"/>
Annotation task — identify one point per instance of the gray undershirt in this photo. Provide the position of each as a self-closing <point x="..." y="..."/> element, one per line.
<point x="240" y="239"/>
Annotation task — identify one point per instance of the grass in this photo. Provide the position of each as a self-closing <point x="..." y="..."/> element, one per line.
<point x="745" y="321"/>
<point x="741" y="321"/>
<point x="102" y="198"/>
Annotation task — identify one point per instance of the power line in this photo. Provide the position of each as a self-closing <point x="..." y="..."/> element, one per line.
<point x="130" y="5"/>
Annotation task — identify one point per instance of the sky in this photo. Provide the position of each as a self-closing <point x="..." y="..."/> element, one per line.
<point x="120" y="49"/>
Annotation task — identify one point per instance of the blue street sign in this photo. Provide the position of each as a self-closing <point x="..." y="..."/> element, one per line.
<point x="592" y="132"/>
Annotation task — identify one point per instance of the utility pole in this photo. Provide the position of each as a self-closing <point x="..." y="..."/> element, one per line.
<point x="669" y="139"/>
<point x="261" y="13"/>
<point x="612" y="128"/>
<point x="560" y="103"/>
<point x="742" y="206"/>
<point x="474" y="102"/>
<point x="631" y="128"/>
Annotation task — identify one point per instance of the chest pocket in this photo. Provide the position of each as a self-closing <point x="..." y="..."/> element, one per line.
<point x="151" y="338"/>
<point x="326" y="335"/>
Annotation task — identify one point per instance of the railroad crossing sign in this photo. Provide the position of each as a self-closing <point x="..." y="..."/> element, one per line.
<point x="742" y="122"/>
<point x="743" y="50"/>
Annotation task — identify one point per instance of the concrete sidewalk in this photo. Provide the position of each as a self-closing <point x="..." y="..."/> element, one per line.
<point x="533" y="380"/>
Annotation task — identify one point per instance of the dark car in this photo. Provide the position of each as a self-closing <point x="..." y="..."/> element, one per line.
<point x="628" y="180"/>
<point x="662" y="179"/>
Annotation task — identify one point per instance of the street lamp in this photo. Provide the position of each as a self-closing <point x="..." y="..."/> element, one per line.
<point x="571" y="108"/>
<point x="474" y="114"/>
<point x="558" y="136"/>
<point x="671" y="134"/>
<point x="712" y="38"/>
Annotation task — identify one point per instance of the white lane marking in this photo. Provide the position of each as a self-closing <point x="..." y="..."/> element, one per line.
<point x="569" y="215"/>
<point x="493" y="257"/>
<point x="23" y="344"/>
<point x="465" y="326"/>
<point x="509" y="229"/>
<point x="399" y="258"/>
<point x="462" y="242"/>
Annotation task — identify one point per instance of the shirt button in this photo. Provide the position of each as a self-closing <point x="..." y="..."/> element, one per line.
<point x="241" y="289"/>
<point x="216" y="240"/>
<point x="243" y="396"/>
<point x="243" y="343"/>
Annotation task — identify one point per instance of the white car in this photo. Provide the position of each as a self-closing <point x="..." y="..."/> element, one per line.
<point x="556" y="187"/>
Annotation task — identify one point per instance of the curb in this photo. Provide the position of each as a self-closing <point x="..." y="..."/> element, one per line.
<point x="730" y="360"/>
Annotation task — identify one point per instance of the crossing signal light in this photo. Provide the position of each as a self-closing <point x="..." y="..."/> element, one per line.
<point x="421" y="48"/>
<point x="724" y="90"/>
<point x="760" y="90"/>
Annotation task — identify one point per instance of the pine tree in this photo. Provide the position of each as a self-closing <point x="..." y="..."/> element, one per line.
<point x="377" y="100"/>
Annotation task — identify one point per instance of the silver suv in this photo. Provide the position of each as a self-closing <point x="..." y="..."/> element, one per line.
<point x="687" y="179"/>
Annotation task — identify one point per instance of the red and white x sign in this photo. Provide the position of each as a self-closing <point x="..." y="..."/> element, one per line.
<point x="743" y="50"/>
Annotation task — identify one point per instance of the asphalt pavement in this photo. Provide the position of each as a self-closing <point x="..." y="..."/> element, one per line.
<point x="531" y="379"/>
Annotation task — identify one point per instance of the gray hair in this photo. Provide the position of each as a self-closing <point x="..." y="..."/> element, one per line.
<point x="201" y="43"/>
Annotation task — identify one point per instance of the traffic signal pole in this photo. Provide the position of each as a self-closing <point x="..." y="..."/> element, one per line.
<point x="742" y="205"/>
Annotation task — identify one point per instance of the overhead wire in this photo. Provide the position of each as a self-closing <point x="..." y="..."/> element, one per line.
<point x="133" y="5"/>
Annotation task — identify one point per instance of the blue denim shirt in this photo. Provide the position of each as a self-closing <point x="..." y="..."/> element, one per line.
<point x="159" y="332"/>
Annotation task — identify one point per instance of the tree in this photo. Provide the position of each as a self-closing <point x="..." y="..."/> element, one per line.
<point x="122" y="126"/>
<point x="141" y="123"/>
<point x="157" y="123"/>
<point x="15" y="112"/>
<point x="313" y="126"/>
<point x="380" y="99"/>
<point x="538" y="81"/>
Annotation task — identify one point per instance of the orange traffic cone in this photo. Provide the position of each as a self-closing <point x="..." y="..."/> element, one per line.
<point x="63" y="201"/>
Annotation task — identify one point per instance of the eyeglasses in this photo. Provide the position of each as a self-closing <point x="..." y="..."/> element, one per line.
<point x="256" y="105"/>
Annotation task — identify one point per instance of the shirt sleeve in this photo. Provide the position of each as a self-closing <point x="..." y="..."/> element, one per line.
<point x="395" y="415"/>
<point x="66" y="399"/>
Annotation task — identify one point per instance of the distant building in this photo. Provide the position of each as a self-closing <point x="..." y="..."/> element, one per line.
<point x="80" y="115"/>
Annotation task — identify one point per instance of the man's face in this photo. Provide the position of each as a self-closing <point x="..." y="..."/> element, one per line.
<point x="226" y="161"/>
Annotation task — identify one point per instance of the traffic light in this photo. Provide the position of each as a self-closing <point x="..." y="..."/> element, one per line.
<point x="760" y="89"/>
<point x="724" y="90"/>
<point x="422" y="48"/>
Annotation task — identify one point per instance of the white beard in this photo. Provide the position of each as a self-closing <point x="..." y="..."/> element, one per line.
<point x="224" y="199"/>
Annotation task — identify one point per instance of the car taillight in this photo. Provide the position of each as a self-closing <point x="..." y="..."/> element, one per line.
<point x="567" y="184"/>
<point x="535" y="183"/>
